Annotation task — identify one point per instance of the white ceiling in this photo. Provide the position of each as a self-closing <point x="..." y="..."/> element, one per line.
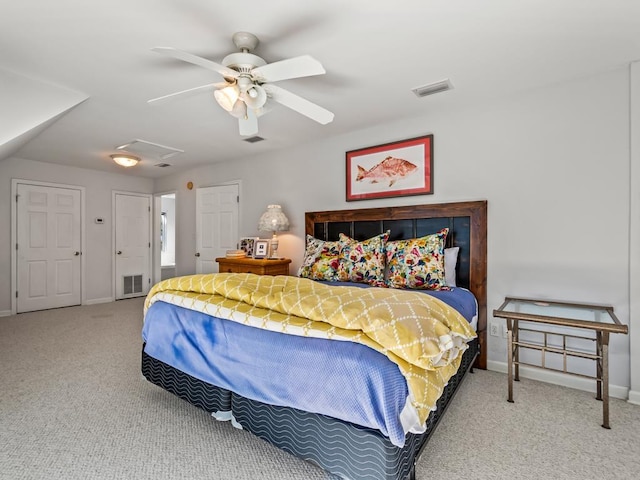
<point x="374" y="53"/>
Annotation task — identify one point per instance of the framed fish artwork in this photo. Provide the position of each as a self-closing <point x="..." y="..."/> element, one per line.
<point x="393" y="169"/>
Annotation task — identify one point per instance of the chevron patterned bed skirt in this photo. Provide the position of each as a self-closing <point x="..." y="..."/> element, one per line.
<point x="342" y="448"/>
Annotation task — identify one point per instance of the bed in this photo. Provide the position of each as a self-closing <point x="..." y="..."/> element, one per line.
<point x="376" y="445"/>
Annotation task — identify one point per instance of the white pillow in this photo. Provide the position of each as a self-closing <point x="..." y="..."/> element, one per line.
<point x="450" y="262"/>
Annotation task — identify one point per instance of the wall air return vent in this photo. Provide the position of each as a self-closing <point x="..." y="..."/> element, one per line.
<point x="254" y="139"/>
<point x="131" y="284"/>
<point x="432" y="88"/>
<point x="149" y="149"/>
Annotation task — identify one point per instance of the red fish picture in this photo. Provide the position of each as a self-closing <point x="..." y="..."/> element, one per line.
<point x="391" y="170"/>
<point x="388" y="170"/>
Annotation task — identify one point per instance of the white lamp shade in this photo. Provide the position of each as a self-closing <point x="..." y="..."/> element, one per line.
<point x="273" y="220"/>
<point x="227" y="97"/>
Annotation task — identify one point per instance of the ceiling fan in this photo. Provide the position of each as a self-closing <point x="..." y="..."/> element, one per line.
<point x="248" y="87"/>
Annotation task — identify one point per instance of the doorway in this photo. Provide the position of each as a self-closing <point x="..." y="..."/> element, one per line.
<point x="132" y="244"/>
<point x="166" y="232"/>
<point x="217" y="211"/>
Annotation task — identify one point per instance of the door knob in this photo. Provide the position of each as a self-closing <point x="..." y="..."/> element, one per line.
<point x="197" y="254"/>
<point x="77" y="253"/>
<point x="119" y="252"/>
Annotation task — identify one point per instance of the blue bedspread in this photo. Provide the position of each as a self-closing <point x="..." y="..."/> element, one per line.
<point x="281" y="369"/>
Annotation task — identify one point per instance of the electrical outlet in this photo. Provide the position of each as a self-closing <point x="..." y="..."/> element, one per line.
<point x="494" y="329"/>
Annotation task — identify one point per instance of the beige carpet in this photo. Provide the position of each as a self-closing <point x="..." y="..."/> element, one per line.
<point x="73" y="405"/>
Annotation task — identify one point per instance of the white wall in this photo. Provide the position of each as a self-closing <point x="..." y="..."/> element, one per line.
<point x="97" y="252"/>
<point x="634" y="238"/>
<point x="553" y="164"/>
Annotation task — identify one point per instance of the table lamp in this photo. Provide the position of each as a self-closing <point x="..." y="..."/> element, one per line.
<point x="273" y="220"/>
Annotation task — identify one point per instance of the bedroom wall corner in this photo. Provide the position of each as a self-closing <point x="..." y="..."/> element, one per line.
<point x="97" y="251"/>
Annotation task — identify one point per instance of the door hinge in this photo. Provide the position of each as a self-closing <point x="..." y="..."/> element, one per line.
<point x="149" y="281"/>
<point x="149" y="244"/>
<point x="16" y="294"/>
<point x="17" y="197"/>
<point x="16" y="246"/>
<point x="237" y="198"/>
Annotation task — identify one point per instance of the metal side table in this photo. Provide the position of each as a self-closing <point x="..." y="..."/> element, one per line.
<point x="598" y="318"/>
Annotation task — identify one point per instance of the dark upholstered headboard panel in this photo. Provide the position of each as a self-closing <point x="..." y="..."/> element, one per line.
<point x="467" y="223"/>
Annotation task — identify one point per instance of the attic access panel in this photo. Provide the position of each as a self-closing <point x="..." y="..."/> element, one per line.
<point x="149" y="149"/>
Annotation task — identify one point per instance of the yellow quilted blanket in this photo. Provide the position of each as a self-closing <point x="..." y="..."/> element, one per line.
<point x="421" y="334"/>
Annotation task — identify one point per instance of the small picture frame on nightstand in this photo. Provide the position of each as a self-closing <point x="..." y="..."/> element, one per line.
<point x="261" y="248"/>
<point x="247" y="244"/>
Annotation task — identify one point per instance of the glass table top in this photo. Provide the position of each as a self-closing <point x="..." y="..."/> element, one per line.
<point x="561" y="313"/>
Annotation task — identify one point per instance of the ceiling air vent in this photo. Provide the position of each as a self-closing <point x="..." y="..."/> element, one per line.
<point x="254" y="139"/>
<point x="149" y="149"/>
<point x="432" y="88"/>
<point x="162" y="165"/>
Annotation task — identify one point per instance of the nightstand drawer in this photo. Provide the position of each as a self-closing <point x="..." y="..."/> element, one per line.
<point x="251" y="265"/>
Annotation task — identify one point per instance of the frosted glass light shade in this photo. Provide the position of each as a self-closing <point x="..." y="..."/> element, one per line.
<point x="125" y="160"/>
<point x="239" y="109"/>
<point x="227" y="97"/>
<point x="255" y="97"/>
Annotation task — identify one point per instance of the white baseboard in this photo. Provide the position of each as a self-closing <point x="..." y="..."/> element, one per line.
<point x="634" y="397"/>
<point x="564" y="380"/>
<point x="95" y="301"/>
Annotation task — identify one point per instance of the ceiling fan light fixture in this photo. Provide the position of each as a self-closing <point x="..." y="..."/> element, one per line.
<point x="227" y="97"/>
<point x="239" y="109"/>
<point x="248" y="91"/>
<point x="255" y="97"/>
<point x="125" y="160"/>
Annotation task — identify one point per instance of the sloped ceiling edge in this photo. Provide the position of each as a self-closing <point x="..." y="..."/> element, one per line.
<point x="29" y="107"/>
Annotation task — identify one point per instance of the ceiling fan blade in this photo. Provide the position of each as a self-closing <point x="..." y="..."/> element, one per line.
<point x="196" y="60"/>
<point x="299" y="104"/>
<point x="296" y="67"/>
<point x="248" y="124"/>
<point x="190" y="91"/>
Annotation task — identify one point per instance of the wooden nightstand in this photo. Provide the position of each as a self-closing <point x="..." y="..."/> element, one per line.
<point x="253" y="265"/>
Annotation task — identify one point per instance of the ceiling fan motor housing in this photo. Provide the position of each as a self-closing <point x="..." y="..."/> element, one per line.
<point x="243" y="62"/>
<point x="245" y="41"/>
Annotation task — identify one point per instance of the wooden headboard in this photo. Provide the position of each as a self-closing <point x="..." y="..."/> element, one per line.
<point x="467" y="223"/>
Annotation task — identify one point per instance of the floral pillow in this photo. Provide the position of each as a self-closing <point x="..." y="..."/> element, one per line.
<point x="362" y="261"/>
<point x="321" y="259"/>
<point x="417" y="262"/>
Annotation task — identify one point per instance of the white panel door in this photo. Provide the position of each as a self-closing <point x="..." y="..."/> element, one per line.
<point x="132" y="245"/>
<point x="49" y="240"/>
<point x="216" y="225"/>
